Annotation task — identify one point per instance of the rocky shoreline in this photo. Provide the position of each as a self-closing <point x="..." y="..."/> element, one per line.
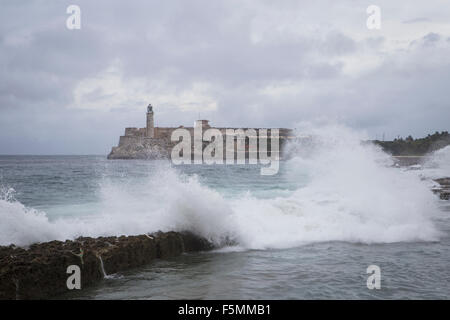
<point x="443" y="189"/>
<point x="40" y="271"/>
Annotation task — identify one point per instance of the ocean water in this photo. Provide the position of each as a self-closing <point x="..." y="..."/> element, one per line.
<point x="309" y="232"/>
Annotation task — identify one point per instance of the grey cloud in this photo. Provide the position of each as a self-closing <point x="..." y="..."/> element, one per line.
<point x="431" y="38"/>
<point x="179" y="43"/>
<point x="416" y="20"/>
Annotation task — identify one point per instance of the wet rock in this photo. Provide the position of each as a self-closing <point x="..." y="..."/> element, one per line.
<point x="192" y="243"/>
<point x="444" y="188"/>
<point x="40" y="271"/>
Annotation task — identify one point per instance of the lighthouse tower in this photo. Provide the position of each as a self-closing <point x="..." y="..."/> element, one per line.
<point x="150" y="122"/>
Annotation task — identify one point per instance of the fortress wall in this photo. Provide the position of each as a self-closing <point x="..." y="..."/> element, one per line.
<point x="166" y="132"/>
<point x="135" y="144"/>
<point x="283" y="133"/>
<point x="131" y="131"/>
<point x="127" y="140"/>
<point x="135" y="132"/>
<point x="163" y="132"/>
<point x="133" y="135"/>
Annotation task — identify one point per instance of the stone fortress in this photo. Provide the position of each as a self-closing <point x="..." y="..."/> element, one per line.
<point x="155" y="142"/>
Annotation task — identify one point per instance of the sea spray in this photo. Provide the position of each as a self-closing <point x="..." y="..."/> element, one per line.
<point x="437" y="164"/>
<point x="335" y="188"/>
<point x="20" y="225"/>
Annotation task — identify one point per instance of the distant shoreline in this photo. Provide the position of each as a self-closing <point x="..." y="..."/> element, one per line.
<point x="415" y="147"/>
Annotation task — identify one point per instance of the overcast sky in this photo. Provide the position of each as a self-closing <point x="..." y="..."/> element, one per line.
<point x="236" y="63"/>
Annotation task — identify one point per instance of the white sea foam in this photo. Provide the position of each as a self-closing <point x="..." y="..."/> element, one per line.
<point x="438" y="164"/>
<point x="21" y="225"/>
<point x="351" y="194"/>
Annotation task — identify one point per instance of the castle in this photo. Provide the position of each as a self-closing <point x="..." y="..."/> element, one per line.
<point x="155" y="142"/>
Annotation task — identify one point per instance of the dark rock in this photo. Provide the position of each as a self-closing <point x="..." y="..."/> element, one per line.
<point x="444" y="188"/>
<point x="39" y="272"/>
<point x="192" y="243"/>
<point x="445" y="182"/>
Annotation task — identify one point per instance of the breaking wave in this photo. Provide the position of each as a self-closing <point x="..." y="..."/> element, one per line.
<point x="344" y="190"/>
<point x="438" y="164"/>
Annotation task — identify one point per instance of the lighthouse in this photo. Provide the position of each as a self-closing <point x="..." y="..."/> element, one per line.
<point x="150" y="122"/>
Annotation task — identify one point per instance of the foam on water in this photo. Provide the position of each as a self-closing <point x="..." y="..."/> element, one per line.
<point x="21" y="225"/>
<point x="351" y="194"/>
<point x="438" y="165"/>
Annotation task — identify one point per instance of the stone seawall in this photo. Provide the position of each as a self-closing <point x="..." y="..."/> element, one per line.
<point x="40" y="272"/>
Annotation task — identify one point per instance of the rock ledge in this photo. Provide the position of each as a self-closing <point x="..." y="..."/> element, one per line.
<point x="40" y="272"/>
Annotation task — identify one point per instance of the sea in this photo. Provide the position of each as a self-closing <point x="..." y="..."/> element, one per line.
<point x="310" y="231"/>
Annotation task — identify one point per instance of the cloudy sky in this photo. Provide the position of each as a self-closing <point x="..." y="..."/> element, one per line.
<point x="238" y="63"/>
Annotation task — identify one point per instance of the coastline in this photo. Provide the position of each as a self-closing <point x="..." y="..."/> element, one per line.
<point x="40" y="271"/>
